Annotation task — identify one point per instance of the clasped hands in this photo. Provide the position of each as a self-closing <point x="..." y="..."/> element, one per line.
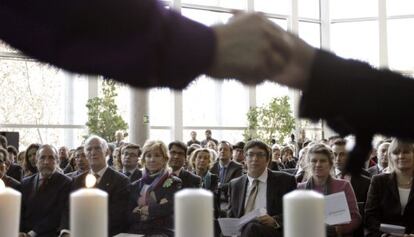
<point x="143" y="211"/>
<point x="251" y="49"/>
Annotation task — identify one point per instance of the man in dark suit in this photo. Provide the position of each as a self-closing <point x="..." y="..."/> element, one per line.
<point x="8" y="181"/>
<point x="177" y="152"/>
<point x="129" y="158"/>
<point x="43" y="196"/>
<point x="360" y="182"/>
<point x="109" y="180"/>
<point x="260" y="188"/>
<point x="82" y="164"/>
<point x="382" y="159"/>
<point x="63" y="157"/>
<point x="226" y="170"/>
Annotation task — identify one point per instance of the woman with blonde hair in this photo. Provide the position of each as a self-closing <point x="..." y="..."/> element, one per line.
<point x="202" y="161"/>
<point x="151" y="202"/>
<point x="320" y="169"/>
<point x="391" y="195"/>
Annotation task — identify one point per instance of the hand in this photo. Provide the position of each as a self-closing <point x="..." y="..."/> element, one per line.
<point x="144" y="210"/>
<point x="164" y="200"/>
<point x="268" y="220"/>
<point x="297" y="71"/>
<point x="249" y="48"/>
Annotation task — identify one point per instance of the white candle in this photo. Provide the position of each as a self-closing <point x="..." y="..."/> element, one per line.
<point x="304" y="214"/>
<point x="10" y="201"/>
<point x="193" y="214"/>
<point x="89" y="211"/>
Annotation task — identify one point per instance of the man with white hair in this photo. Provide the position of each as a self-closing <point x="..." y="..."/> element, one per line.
<point x="109" y="180"/>
<point x="44" y="196"/>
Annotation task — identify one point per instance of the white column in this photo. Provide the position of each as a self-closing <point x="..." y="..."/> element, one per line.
<point x="69" y="108"/>
<point x="139" y="120"/>
<point x="383" y="41"/>
<point x="325" y="24"/>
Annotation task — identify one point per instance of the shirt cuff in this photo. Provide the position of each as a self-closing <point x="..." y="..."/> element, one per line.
<point x="64" y="231"/>
<point x="32" y="233"/>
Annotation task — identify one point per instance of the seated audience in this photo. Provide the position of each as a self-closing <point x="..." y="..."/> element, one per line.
<point x="302" y="165"/>
<point x="202" y="160"/>
<point x="63" y="157"/>
<point x="20" y="159"/>
<point x="276" y="162"/>
<point x="151" y="203"/>
<point x="130" y="156"/>
<point x="391" y="195"/>
<point x="81" y="163"/>
<point x="44" y="195"/>
<point x="12" y="153"/>
<point x="382" y="159"/>
<point x="209" y="138"/>
<point x="226" y="170"/>
<point x="288" y="159"/>
<point x="193" y="140"/>
<point x="260" y="188"/>
<point x="108" y="180"/>
<point x="320" y="159"/>
<point x="30" y="160"/>
<point x="8" y="181"/>
<point x="177" y="151"/>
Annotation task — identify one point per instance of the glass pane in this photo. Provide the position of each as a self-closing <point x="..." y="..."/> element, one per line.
<point x="358" y="40"/>
<point x="400" y="44"/>
<point x="160" y="134"/>
<point x="279" y="22"/>
<point x="400" y="7"/>
<point x="309" y="8"/>
<point x="200" y="102"/>
<point x="273" y="6"/>
<point x="234" y="104"/>
<point x="233" y="4"/>
<point x="311" y="33"/>
<point x="80" y="112"/>
<point x="160" y="107"/>
<point x="33" y="91"/>
<point x="53" y="136"/>
<point x="267" y="90"/>
<point x="353" y="8"/>
<point x="206" y="17"/>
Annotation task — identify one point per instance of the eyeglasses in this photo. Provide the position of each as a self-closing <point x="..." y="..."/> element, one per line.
<point x="250" y="155"/>
<point x="176" y="153"/>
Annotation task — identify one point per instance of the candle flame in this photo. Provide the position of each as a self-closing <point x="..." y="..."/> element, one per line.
<point x="90" y="181"/>
<point x="2" y="185"/>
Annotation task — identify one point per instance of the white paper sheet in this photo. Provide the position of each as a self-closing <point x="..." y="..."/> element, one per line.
<point x="232" y="226"/>
<point x="336" y="209"/>
<point x="394" y="230"/>
<point x="229" y="226"/>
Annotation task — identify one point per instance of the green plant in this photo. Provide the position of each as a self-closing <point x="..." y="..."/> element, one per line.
<point x="103" y="117"/>
<point x="270" y="121"/>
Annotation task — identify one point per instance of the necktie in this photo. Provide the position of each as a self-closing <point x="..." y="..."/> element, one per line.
<point x="223" y="174"/>
<point x="97" y="176"/>
<point x="252" y="196"/>
<point x="42" y="184"/>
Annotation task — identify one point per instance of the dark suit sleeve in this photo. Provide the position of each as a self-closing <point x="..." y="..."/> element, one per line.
<point x="136" y="42"/>
<point x="157" y="210"/>
<point x="373" y="208"/>
<point x="291" y="185"/>
<point x="118" y="205"/>
<point x="230" y="206"/>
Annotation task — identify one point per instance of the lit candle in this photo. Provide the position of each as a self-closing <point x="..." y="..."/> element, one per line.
<point x="89" y="211"/>
<point x="193" y="213"/>
<point x="304" y="214"/>
<point x="10" y="201"/>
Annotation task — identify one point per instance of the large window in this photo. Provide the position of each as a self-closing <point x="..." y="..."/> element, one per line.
<point x="47" y="105"/>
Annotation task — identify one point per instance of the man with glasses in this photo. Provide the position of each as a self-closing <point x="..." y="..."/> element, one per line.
<point x="130" y="157"/>
<point x="260" y="188"/>
<point x="177" y="152"/>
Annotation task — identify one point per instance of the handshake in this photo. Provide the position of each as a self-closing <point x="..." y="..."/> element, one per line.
<point x="251" y="48"/>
